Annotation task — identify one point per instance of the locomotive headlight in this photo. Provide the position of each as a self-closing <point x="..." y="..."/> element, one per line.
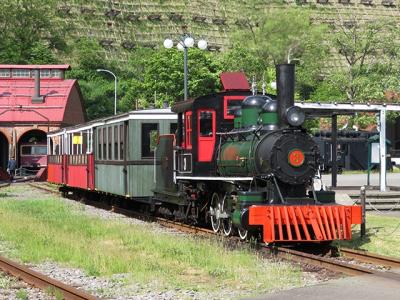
<point x="295" y="116"/>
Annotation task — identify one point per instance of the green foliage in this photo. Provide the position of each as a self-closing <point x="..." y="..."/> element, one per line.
<point x="280" y="36"/>
<point x="160" y="77"/>
<point x="29" y="30"/>
<point x="328" y="91"/>
<point x="22" y="294"/>
<point x="383" y="236"/>
<point x="41" y="54"/>
<point x="360" y="44"/>
<point x="312" y="125"/>
<point x="5" y="281"/>
<point x="54" y="292"/>
<point x="97" y="88"/>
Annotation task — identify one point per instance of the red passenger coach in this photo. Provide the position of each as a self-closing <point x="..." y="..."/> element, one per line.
<point x="71" y="160"/>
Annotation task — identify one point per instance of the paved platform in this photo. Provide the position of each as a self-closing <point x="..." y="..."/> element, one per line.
<point x="393" y="179"/>
<point x="366" y="287"/>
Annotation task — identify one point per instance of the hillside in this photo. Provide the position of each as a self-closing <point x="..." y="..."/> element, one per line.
<point x="121" y="25"/>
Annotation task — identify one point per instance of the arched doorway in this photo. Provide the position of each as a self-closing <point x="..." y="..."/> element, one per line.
<point x="4" y="146"/>
<point x="32" y="150"/>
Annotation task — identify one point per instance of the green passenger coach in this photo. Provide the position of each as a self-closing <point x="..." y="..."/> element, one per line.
<point x="124" y="151"/>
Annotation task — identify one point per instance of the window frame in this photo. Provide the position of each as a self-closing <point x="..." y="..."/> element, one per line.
<point x="188" y="130"/>
<point x="227" y="99"/>
<point x="148" y="154"/>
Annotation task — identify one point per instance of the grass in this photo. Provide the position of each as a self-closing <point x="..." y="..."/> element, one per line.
<point x="5" y="282"/>
<point x="22" y="294"/>
<point x="383" y="236"/>
<point x="50" y="229"/>
<point x="375" y="171"/>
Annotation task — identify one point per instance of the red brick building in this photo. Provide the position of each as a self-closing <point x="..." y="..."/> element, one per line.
<point x="35" y="99"/>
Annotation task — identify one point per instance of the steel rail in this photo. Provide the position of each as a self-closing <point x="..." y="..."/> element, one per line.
<point x="331" y="264"/>
<point x="368" y="257"/>
<point x="3" y="185"/>
<point x="42" y="281"/>
<point x="184" y="227"/>
<point x="46" y="189"/>
<point x="324" y="262"/>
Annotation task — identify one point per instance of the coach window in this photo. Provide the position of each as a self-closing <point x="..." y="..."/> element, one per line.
<point x="149" y="139"/>
<point x="104" y="154"/>
<point x="99" y="140"/>
<point x="109" y="140"/>
<point x="116" y="143"/>
<point x="172" y="128"/>
<point x="206" y="121"/>
<point x="121" y="142"/>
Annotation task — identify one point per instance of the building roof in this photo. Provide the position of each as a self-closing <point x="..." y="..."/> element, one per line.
<point x="16" y="99"/>
<point x="40" y="67"/>
<point x="145" y="114"/>
<point x="234" y="81"/>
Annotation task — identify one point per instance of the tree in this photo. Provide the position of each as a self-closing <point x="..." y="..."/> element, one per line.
<point x="280" y="36"/>
<point x="162" y="78"/>
<point x="370" y="52"/>
<point x="97" y="88"/>
<point x="27" y="25"/>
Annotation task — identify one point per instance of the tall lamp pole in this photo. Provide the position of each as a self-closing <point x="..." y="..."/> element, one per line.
<point x="185" y="42"/>
<point x="115" y="87"/>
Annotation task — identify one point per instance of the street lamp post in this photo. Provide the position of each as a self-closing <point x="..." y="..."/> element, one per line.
<point x="115" y="87"/>
<point x="185" y="42"/>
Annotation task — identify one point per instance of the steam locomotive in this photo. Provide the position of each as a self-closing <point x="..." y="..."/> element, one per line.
<point x="248" y="166"/>
<point x="236" y="161"/>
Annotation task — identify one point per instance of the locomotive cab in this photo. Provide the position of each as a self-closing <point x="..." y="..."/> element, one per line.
<point x="203" y="119"/>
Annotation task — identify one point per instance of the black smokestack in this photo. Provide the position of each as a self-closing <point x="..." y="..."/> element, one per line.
<point x="285" y="79"/>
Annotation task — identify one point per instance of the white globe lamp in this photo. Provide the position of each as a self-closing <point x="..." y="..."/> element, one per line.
<point x="202" y="44"/>
<point x="179" y="46"/>
<point x="189" y="42"/>
<point x="168" y="43"/>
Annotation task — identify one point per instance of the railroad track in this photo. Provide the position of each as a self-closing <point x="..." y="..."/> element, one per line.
<point x="130" y="213"/>
<point x="42" y="281"/>
<point x="330" y="263"/>
<point x="368" y="257"/>
<point x="335" y="265"/>
<point x="3" y="185"/>
<point x="44" y="188"/>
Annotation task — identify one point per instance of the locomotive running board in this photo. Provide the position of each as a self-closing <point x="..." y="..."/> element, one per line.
<point x="300" y="223"/>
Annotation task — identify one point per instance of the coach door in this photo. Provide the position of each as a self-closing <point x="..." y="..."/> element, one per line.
<point x="206" y="124"/>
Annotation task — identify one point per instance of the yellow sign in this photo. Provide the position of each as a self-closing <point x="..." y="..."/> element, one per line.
<point x="77" y="140"/>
